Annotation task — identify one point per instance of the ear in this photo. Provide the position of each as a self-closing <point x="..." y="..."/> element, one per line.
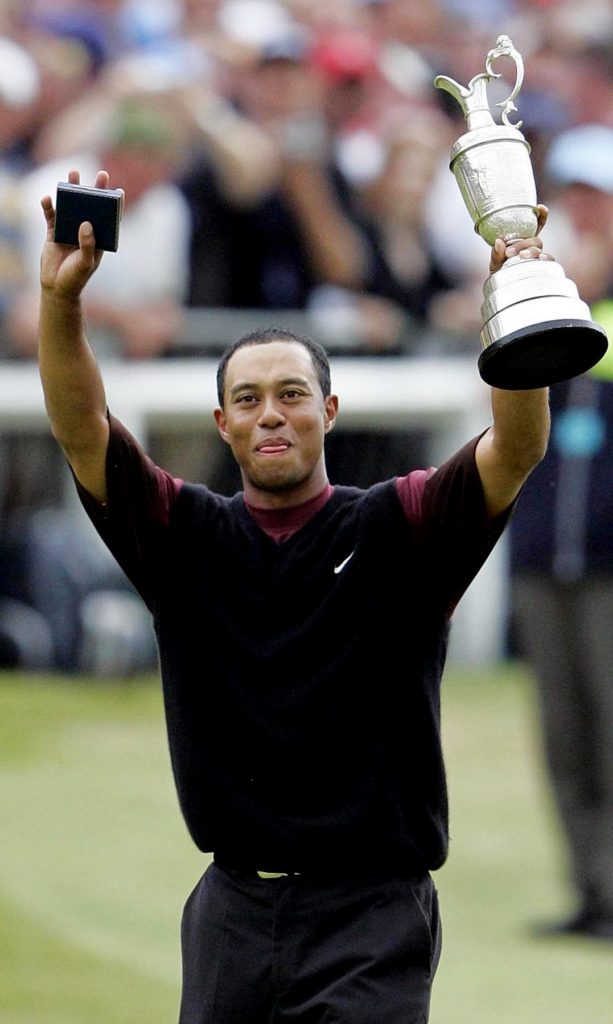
<point x="220" y="420"/>
<point x="330" y="412"/>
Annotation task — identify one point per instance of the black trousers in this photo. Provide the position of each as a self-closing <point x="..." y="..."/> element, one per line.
<point x="565" y="631"/>
<point x="264" y="951"/>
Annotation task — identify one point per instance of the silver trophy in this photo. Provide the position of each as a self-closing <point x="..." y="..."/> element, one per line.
<point x="536" y="329"/>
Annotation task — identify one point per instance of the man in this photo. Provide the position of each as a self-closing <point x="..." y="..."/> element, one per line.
<point x="302" y="631"/>
<point x="561" y="552"/>
<point x="561" y="565"/>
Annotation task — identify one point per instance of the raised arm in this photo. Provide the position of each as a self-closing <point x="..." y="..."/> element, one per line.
<point x="517" y="440"/>
<point x="72" y="383"/>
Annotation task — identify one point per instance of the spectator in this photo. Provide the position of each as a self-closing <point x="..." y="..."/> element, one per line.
<point x="305" y="244"/>
<point x="562" y="571"/>
<point x="134" y="313"/>
<point x="25" y="636"/>
<point x="562" y="553"/>
<point x="26" y="639"/>
<point x="135" y="308"/>
<point x="396" y="199"/>
<point x="578" y="170"/>
<point x="69" y="49"/>
<point x="306" y="230"/>
<point x="19" y="91"/>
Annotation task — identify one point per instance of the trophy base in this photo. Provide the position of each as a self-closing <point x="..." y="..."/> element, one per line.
<point x="542" y="354"/>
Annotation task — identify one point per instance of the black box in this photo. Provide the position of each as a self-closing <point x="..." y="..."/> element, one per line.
<point x="101" y="206"/>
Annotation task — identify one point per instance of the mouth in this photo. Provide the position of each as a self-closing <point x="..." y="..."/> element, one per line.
<point x="273" y="446"/>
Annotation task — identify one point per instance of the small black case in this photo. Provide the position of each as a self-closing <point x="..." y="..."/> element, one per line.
<point x="103" y="207"/>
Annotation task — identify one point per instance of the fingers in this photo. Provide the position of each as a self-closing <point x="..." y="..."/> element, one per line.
<point x="543" y="214"/>
<point x="525" y="248"/>
<point x="502" y="253"/>
<point x="102" y="179"/>
<point x="497" y="257"/>
<point x="87" y="242"/>
<point x="87" y="257"/>
<point x="49" y="212"/>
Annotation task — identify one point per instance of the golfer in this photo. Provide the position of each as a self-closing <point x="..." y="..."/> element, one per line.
<point x="302" y="631"/>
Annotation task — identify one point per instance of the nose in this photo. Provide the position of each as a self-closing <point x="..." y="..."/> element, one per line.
<point x="271" y="413"/>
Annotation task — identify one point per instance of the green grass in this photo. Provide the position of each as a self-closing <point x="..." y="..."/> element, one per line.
<point x="95" y="861"/>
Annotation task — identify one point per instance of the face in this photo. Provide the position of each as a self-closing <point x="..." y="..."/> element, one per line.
<point x="275" y="419"/>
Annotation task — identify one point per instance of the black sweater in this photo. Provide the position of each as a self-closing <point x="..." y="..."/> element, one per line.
<point x="302" y="695"/>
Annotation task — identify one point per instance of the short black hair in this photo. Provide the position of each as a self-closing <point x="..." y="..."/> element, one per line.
<point x="261" y="336"/>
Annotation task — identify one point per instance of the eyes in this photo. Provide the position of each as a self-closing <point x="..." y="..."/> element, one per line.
<point x="288" y="395"/>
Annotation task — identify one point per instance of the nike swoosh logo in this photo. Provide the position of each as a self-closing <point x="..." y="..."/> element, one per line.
<point x="339" y="568"/>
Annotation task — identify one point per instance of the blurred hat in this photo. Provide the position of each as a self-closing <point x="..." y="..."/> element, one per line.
<point x="254" y="22"/>
<point x="345" y="54"/>
<point x="76" y="27"/>
<point x="293" y="44"/>
<point x="266" y="28"/>
<point x="19" y="77"/>
<point x="582" y="155"/>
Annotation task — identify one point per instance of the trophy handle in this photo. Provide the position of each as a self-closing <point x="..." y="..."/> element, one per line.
<point x="504" y="48"/>
<point x="473" y="98"/>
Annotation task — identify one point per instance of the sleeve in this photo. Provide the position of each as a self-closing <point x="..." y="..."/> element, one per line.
<point x="137" y="511"/>
<point x="447" y="509"/>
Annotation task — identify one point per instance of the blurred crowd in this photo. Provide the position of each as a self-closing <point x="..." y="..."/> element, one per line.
<point x="276" y="155"/>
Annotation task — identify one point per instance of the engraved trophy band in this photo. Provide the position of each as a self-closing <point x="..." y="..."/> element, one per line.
<point x="536" y="330"/>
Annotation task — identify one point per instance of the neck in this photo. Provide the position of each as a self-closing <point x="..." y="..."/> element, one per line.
<point x="288" y="497"/>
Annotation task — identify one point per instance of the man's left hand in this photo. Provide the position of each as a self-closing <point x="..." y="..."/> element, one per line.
<point x="526" y="248"/>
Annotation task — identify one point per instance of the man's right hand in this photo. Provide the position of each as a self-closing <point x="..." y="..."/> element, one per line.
<point x="66" y="269"/>
<point x="72" y="383"/>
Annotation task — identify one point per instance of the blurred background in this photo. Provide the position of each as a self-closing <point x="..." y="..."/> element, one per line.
<point x="286" y="162"/>
<point x="283" y="163"/>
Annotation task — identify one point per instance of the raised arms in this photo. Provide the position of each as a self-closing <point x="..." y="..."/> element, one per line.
<point x="72" y="383"/>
